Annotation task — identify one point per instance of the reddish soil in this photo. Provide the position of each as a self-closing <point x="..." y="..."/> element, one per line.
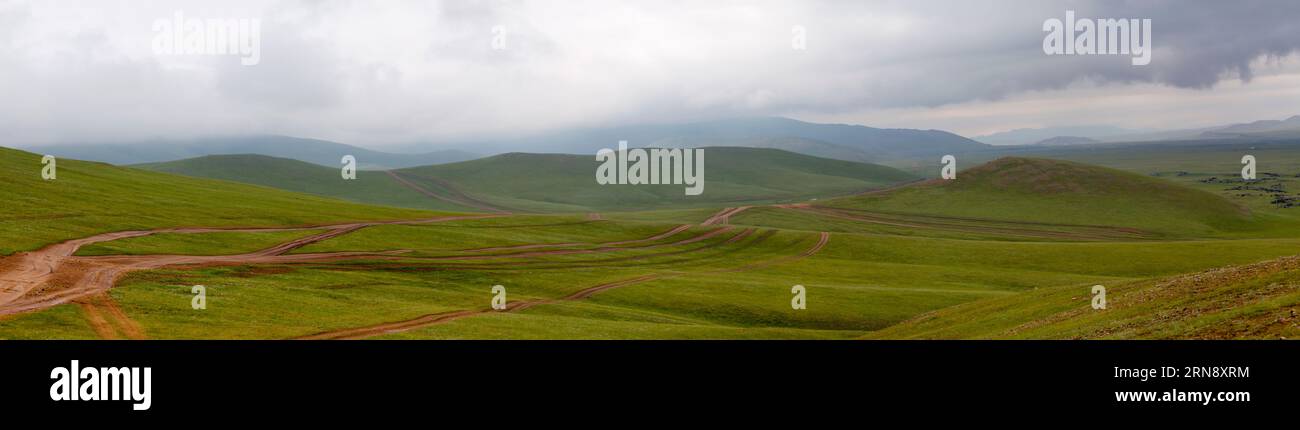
<point x="51" y="275"/>
<point x="724" y="216"/>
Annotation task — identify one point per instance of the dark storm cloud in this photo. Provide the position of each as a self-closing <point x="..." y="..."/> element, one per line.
<point x="982" y="50"/>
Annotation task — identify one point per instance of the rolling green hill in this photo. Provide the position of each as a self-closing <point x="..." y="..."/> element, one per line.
<point x="1254" y="301"/>
<point x="936" y="273"/>
<point x="732" y="176"/>
<point x="373" y="187"/>
<point x="88" y="198"/>
<point x="881" y="144"/>
<point x="1030" y="190"/>
<point x="796" y="145"/>
<point x="554" y="182"/>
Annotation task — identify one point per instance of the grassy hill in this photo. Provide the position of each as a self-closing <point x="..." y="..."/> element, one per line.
<point x="878" y="143"/>
<point x="729" y="281"/>
<point x="1254" y="301"/>
<point x="89" y="198"/>
<point x="373" y="187"/>
<point x="554" y="182"/>
<point x="796" y="145"/>
<point x="1027" y="190"/>
<point x="733" y="176"/>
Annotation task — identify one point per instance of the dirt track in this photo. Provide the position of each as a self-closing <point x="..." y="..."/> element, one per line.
<point x="52" y="275"/>
<point x="969" y="225"/>
<point x="458" y="198"/>
<point x="100" y="310"/>
<point x="432" y="319"/>
<point x="37" y="280"/>
<point x="659" y="236"/>
<point x="724" y="216"/>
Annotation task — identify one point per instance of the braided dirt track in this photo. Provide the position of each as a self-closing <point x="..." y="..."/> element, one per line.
<point x="432" y="319"/>
<point x="973" y="225"/>
<point x="37" y="280"/>
<point x="50" y="276"/>
<point x="108" y="320"/>
<point x="458" y="198"/>
<point x="724" y="216"/>
<point x="659" y="236"/>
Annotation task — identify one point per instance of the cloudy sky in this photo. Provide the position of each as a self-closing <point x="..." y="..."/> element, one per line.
<point x="375" y="73"/>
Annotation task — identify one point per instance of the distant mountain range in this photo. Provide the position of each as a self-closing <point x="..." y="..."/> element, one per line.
<point x="1029" y="136"/>
<point x="836" y="141"/>
<point x="553" y="182"/>
<point x="840" y="141"/>
<point x="1287" y="127"/>
<point x="1264" y="129"/>
<point x="799" y="145"/>
<point x="1066" y="141"/>
<point x="313" y="151"/>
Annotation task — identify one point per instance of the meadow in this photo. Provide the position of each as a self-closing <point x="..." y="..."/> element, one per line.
<point x="553" y="183"/>
<point x="987" y="256"/>
<point x="89" y="198"/>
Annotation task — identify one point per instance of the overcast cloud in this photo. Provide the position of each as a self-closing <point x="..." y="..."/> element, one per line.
<point x="381" y="72"/>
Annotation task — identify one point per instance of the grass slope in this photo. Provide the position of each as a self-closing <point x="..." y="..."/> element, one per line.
<point x="1030" y="190"/>
<point x="876" y="281"/>
<point x="858" y="283"/>
<point x="217" y="243"/>
<point x="372" y="187"/>
<point x="90" y="198"/>
<point x="566" y="183"/>
<point x="1254" y="301"/>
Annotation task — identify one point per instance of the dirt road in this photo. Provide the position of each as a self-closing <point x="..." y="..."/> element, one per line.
<point x="52" y="275"/>
<point x="432" y="319"/>
<point x="724" y="216"/>
<point x="978" y="226"/>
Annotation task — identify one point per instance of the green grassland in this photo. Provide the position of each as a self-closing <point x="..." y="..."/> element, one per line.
<point x="89" y="198"/>
<point x="923" y="226"/>
<point x="59" y="322"/>
<point x="1216" y="168"/>
<point x="441" y="238"/>
<point x="371" y="187"/>
<point x="216" y="243"/>
<point x="1009" y="250"/>
<point x="566" y="183"/>
<point x="858" y="284"/>
<point x="1190" y="163"/>
<point x="1221" y="156"/>
<point x="1257" y="301"/>
<point x="554" y="182"/>
<point x="1060" y="192"/>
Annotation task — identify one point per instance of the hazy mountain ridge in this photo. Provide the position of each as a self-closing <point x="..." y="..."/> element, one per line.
<point x="1266" y="129"/>
<point x="798" y="145"/>
<point x="1027" y="136"/>
<point x="315" y="151"/>
<point x="837" y="141"/>
<point x="553" y="182"/>
<point x="1066" y="141"/>
<point x="876" y="143"/>
<point x="1256" y="128"/>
